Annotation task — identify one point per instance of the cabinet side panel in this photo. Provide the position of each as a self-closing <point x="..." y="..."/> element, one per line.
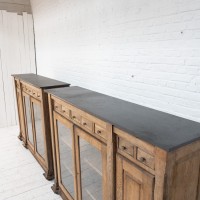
<point x="183" y="181"/>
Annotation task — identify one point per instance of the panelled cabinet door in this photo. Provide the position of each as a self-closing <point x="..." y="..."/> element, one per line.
<point x="28" y="120"/>
<point x="65" y="155"/>
<point x="40" y="146"/>
<point x="133" y="183"/>
<point x="90" y="166"/>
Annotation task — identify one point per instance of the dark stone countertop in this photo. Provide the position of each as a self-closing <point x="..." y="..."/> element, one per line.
<point x="40" y="81"/>
<point x="163" y="130"/>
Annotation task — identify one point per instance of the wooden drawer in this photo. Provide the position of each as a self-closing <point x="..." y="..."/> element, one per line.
<point x="100" y="131"/>
<point x="31" y="91"/>
<point x="76" y="117"/>
<point x="126" y="146"/>
<point x="65" y="111"/>
<point x="34" y="93"/>
<point x="145" y="158"/>
<point x="87" y="124"/>
<point x="57" y="107"/>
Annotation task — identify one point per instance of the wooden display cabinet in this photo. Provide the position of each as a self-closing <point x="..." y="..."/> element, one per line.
<point x="32" y="103"/>
<point x="108" y="149"/>
<point x="80" y="153"/>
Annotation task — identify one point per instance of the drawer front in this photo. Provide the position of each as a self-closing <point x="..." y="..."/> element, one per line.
<point x="126" y="146"/>
<point x="57" y="107"/>
<point x="100" y="131"/>
<point x="31" y="91"/>
<point x="145" y="158"/>
<point x="65" y="111"/>
<point x="87" y="124"/>
<point x="34" y="93"/>
<point x="76" y="117"/>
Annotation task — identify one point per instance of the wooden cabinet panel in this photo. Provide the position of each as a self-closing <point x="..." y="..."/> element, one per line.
<point x="133" y="183"/>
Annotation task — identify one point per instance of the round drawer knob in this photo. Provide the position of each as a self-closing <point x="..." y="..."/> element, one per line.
<point x="124" y="148"/>
<point x="74" y="117"/>
<point x="84" y="123"/>
<point x="99" y="132"/>
<point x="142" y="159"/>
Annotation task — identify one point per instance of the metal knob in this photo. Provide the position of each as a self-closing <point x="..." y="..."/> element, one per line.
<point x="99" y="132"/>
<point x="84" y="123"/>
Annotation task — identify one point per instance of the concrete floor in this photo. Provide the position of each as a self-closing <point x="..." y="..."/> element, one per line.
<point x="20" y="174"/>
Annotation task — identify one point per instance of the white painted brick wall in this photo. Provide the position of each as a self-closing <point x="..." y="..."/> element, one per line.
<point x="147" y="52"/>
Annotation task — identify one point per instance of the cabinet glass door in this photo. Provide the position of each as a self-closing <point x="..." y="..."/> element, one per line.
<point x="65" y="155"/>
<point x="92" y="166"/>
<point x="38" y="126"/>
<point x="28" y="119"/>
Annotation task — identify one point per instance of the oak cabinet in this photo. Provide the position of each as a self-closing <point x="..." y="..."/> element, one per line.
<point x="33" y="112"/>
<point x="108" y="149"/>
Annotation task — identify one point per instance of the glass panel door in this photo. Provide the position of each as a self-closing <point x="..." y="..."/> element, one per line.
<point x="64" y="149"/>
<point x="38" y="124"/>
<point x="92" y="159"/>
<point x="28" y="119"/>
<point x="91" y="171"/>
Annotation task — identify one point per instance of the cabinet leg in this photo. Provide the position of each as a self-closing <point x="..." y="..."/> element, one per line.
<point x="25" y="145"/>
<point x="49" y="176"/>
<point x="55" y="189"/>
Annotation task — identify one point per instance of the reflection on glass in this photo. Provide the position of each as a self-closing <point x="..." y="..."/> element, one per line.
<point x="91" y="171"/>
<point x="66" y="160"/>
<point x="28" y="119"/>
<point x="38" y="129"/>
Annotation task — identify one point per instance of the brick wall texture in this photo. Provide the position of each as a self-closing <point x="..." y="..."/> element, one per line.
<point x="146" y="52"/>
